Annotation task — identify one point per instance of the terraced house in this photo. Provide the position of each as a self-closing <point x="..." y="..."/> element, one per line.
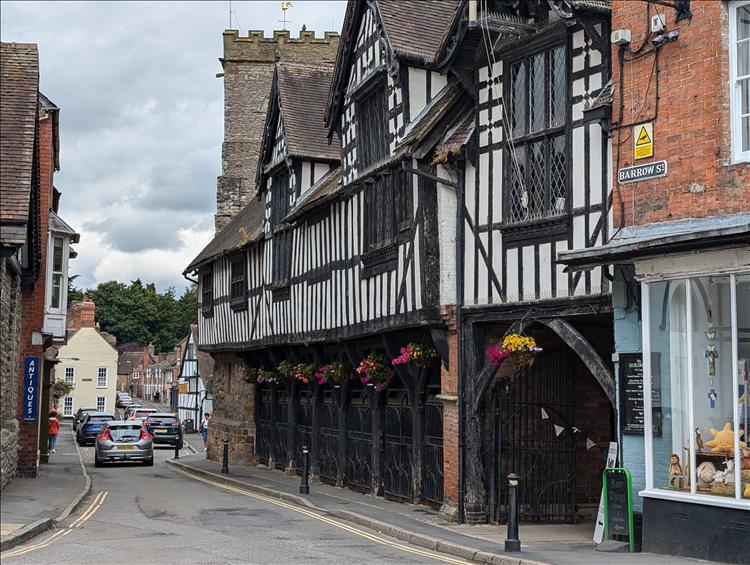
<point x="410" y="203"/>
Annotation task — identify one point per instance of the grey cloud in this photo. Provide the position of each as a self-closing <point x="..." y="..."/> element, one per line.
<point x="141" y="115"/>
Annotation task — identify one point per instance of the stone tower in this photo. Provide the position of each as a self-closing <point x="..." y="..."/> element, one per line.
<point x="248" y="72"/>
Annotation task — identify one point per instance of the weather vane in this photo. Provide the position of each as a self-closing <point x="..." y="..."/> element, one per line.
<point x="284" y="7"/>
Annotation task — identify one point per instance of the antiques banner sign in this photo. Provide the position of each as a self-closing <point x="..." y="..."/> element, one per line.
<point x="30" y="388"/>
<point x="631" y="392"/>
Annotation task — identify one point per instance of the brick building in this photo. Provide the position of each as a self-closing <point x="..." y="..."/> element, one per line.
<point x="35" y="244"/>
<point x="680" y="260"/>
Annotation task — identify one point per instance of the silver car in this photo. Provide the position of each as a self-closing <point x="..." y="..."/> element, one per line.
<point x="124" y="441"/>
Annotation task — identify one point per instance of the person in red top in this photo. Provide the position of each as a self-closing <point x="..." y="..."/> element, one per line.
<point x="54" y="429"/>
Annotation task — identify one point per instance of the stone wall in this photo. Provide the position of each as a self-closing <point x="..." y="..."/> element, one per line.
<point x="10" y="333"/>
<point x="248" y="72"/>
<point x="233" y="417"/>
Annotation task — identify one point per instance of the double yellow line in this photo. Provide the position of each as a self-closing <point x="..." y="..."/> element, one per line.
<point x="315" y="515"/>
<point x="77" y="523"/>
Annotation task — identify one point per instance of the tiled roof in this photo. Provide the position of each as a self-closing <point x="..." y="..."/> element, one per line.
<point x="127" y="361"/>
<point x="246" y="227"/>
<point x="303" y="94"/>
<point x="19" y="86"/>
<point x="416" y="29"/>
<point x="327" y="186"/>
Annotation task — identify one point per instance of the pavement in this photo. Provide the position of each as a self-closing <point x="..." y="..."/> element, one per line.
<point x="559" y="544"/>
<point x="31" y="506"/>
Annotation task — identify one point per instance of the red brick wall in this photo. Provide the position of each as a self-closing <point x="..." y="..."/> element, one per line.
<point x="32" y="308"/>
<point x="449" y="388"/>
<point x="692" y="128"/>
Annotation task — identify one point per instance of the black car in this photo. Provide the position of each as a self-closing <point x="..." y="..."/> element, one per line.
<point x="165" y="428"/>
<point x="92" y="425"/>
<point x="78" y="418"/>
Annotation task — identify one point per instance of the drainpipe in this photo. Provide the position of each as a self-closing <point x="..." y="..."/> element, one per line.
<point x="461" y="195"/>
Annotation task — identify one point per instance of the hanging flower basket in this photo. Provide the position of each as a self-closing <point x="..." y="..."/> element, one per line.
<point x="373" y="370"/>
<point x="304" y="372"/>
<point x="335" y="373"/>
<point x="250" y="375"/>
<point x="266" y="376"/>
<point x="420" y="355"/>
<point x="516" y="352"/>
<point x="286" y="369"/>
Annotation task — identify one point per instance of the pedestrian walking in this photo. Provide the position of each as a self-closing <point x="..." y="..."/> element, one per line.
<point x="204" y="430"/>
<point x="53" y="429"/>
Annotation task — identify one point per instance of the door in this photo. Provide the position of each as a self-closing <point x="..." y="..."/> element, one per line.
<point x="280" y="415"/>
<point x="329" y="438"/>
<point x="527" y="444"/>
<point x="397" y="470"/>
<point x="264" y="423"/>
<point x="359" y="441"/>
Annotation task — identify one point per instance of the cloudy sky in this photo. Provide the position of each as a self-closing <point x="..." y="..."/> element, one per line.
<point x="141" y="121"/>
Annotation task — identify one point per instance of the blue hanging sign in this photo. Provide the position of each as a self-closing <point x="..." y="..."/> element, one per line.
<point x="30" y="388"/>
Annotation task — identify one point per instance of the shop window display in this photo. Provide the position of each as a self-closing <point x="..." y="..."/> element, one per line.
<point x="698" y="339"/>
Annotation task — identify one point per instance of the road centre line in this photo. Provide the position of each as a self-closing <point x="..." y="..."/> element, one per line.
<point x="77" y="523"/>
<point x="427" y="553"/>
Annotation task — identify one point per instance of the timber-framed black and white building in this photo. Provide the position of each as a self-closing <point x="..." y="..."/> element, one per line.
<point x="418" y="191"/>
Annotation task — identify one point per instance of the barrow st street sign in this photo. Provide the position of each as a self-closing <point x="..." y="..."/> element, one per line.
<point x="642" y="172"/>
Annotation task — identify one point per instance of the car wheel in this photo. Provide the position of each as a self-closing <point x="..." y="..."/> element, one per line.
<point x="149" y="462"/>
<point x="97" y="463"/>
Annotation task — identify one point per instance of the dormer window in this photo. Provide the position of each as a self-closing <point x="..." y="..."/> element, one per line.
<point x="372" y="127"/>
<point x="238" y="283"/>
<point x="207" y="293"/>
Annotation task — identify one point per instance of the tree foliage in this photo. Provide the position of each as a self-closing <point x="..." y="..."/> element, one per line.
<point x="138" y="313"/>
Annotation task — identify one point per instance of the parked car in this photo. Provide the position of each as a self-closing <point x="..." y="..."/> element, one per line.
<point x="79" y="416"/>
<point x="92" y="425"/>
<point x="135" y="413"/>
<point x="123" y="400"/>
<point x="165" y="428"/>
<point x="124" y="441"/>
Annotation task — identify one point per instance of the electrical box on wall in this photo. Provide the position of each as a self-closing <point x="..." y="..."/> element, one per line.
<point x="620" y="36"/>
<point x="658" y="23"/>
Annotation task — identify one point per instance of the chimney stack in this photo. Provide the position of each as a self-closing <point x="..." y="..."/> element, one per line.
<point x="82" y="315"/>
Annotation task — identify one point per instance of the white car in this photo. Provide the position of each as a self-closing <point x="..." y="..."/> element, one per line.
<point x="139" y="413"/>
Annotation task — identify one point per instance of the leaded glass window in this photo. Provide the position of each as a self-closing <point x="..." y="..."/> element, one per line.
<point x="538" y="94"/>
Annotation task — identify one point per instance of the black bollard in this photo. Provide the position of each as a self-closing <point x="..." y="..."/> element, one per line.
<point x="512" y="543"/>
<point x="304" y="487"/>
<point x="176" y="450"/>
<point x="225" y="459"/>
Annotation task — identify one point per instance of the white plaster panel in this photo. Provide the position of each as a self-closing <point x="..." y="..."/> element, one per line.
<point x="579" y="160"/>
<point x="545" y="270"/>
<point x="511" y="283"/>
<point x="561" y="276"/>
<point x="529" y="273"/>
<point x="417" y="91"/>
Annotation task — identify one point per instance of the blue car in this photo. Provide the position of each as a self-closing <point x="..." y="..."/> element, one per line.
<point x="165" y="428"/>
<point x="92" y="425"/>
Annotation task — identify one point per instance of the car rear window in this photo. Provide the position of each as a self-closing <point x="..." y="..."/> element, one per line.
<point x="125" y="433"/>
<point x="161" y="420"/>
<point x="100" y="418"/>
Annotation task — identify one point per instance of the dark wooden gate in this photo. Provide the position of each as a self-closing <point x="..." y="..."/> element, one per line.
<point x="280" y="412"/>
<point x="526" y="444"/>
<point x="397" y="468"/>
<point x="264" y="423"/>
<point x="432" y="483"/>
<point x="303" y="433"/>
<point x="359" y="415"/>
<point x="329" y="437"/>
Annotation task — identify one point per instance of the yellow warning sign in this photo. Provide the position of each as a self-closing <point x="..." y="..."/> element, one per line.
<point x="643" y="140"/>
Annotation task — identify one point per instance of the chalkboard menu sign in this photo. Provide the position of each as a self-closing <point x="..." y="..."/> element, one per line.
<point x="631" y="392"/>
<point x="618" y="504"/>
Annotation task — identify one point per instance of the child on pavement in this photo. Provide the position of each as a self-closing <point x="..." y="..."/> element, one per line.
<point x="53" y="429"/>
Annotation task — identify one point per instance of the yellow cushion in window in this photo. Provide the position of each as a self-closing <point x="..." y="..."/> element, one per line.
<point x="723" y="441"/>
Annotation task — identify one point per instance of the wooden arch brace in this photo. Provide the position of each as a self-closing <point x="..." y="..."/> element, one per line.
<point x="573" y="339"/>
